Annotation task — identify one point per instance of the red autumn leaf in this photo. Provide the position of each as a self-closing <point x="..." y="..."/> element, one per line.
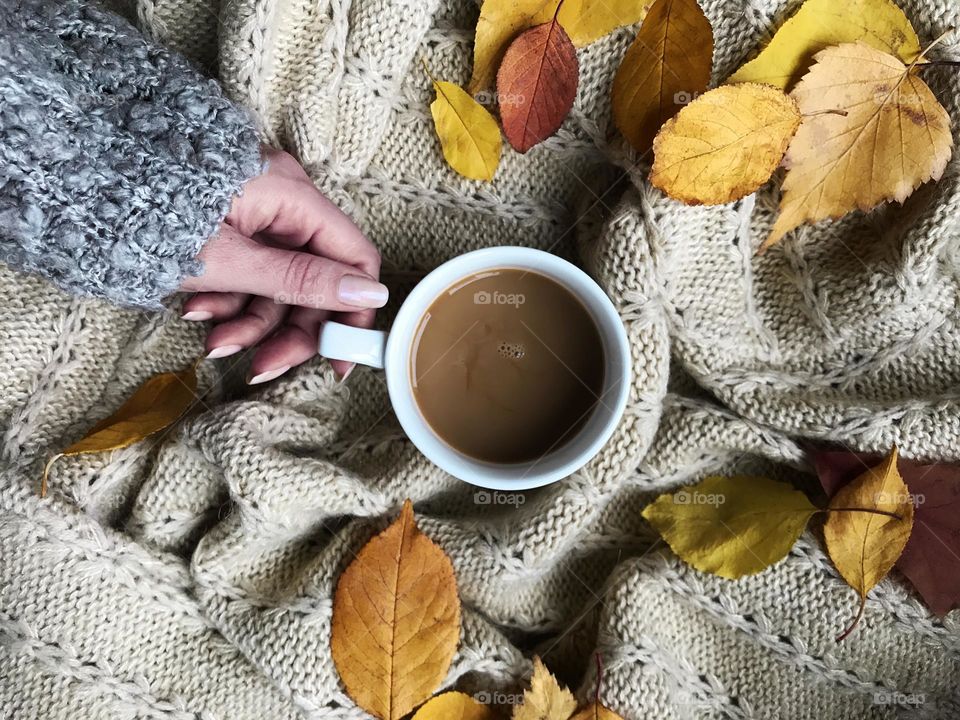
<point x="931" y="560"/>
<point x="537" y="84"/>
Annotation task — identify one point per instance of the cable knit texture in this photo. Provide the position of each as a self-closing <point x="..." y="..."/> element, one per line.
<point x="119" y="159"/>
<point x="191" y="576"/>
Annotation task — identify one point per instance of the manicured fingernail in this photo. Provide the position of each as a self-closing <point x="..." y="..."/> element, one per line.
<point x="224" y="351"/>
<point x="362" y="292"/>
<point x="268" y="375"/>
<point x="343" y="378"/>
<point x="197" y="315"/>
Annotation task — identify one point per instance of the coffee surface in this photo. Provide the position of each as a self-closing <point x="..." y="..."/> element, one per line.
<point x="507" y="365"/>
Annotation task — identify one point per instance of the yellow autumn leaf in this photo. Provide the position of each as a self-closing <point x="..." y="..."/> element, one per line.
<point x="396" y="620"/>
<point x="545" y="700"/>
<point x="454" y="706"/>
<point x="871" y="132"/>
<point x="724" y="145"/>
<point x="731" y="526"/>
<point x="819" y="24"/>
<point x="502" y="20"/>
<point x="588" y="20"/>
<point x="596" y="711"/>
<point x="154" y="406"/>
<point x="868" y="525"/>
<point x="667" y="66"/>
<point x="468" y="133"/>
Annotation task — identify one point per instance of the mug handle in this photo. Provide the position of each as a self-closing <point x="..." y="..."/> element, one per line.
<point x="359" y="345"/>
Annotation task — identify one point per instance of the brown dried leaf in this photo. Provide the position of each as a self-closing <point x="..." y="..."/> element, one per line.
<point x="537" y="84"/>
<point x="665" y="68"/>
<point x="596" y="711"/>
<point x="396" y="620"/>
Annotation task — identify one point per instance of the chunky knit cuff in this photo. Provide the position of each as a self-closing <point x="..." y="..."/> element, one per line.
<point x="118" y="160"/>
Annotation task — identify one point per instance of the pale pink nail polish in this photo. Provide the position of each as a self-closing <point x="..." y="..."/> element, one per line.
<point x="268" y="375"/>
<point x="224" y="351"/>
<point x="362" y="292"/>
<point x="197" y="316"/>
<point x="343" y="378"/>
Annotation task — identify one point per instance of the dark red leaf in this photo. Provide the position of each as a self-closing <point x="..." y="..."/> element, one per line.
<point x="537" y="84"/>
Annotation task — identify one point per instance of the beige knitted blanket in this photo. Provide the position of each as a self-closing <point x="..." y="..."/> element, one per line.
<point x="191" y="576"/>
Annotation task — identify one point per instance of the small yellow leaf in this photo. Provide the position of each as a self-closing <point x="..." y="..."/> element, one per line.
<point x="545" y="700"/>
<point x="454" y="706"/>
<point x="588" y="20"/>
<point x="468" y="133"/>
<point x="499" y="23"/>
<point x="667" y="66"/>
<point x="396" y="620"/>
<point x="871" y="132"/>
<point x="863" y="543"/>
<point x="822" y="23"/>
<point x="724" y="145"/>
<point x="596" y="711"/>
<point x="154" y="406"/>
<point x="502" y="20"/>
<point x="731" y="526"/>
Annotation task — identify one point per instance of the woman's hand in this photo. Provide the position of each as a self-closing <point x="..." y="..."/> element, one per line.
<point x="285" y="260"/>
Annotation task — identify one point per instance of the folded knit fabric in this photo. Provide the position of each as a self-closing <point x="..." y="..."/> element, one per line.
<point x="119" y="160"/>
<point x="192" y="576"/>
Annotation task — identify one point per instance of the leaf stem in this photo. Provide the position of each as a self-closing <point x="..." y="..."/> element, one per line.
<point x="596" y="694"/>
<point x="426" y="69"/>
<point x="937" y="63"/>
<point x="842" y="113"/>
<point x="556" y="13"/>
<point x="856" y="621"/>
<point x="875" y="511"/>
<point x="46" y="473"/>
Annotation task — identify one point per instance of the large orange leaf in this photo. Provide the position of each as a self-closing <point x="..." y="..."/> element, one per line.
<point x="665" y="68"/>
<point x="396" y="620"/>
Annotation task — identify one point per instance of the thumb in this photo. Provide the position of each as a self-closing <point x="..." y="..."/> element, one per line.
<point x="235" y="263"/>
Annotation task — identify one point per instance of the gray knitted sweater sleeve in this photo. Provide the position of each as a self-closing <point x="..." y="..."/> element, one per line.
<point x="117" y="159"/>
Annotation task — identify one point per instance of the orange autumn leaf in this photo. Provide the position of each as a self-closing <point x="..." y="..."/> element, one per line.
<point x="665" y="68"/>
<point x="596" y="711"/>
<point x="396" y="620"/>
<point x="537" y="84"/>
<point x="154" y="406"/>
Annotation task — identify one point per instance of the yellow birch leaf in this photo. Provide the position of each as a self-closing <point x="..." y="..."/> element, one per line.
<point x="871" y="132"/>
<point x="596" y="711"/>
<point x="396" y="620"/>
<point x="588" y="20"/>
<point x="468" y="133"/>
<point x="545" y="700"/>
<point x="863" y="542"/>
<point x="499" y="23"/>
<point x="502" y="20"/>
<point x="724" y="145"/>
<point x="153" y="407"/>
<point x="731" y="526"/>
<point x="822" y="23"/>
<point x="454" y="706"/>
<point x="667" y="66"/>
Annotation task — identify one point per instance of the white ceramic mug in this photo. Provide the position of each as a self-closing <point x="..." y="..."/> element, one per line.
<point x="392" y="352"/>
